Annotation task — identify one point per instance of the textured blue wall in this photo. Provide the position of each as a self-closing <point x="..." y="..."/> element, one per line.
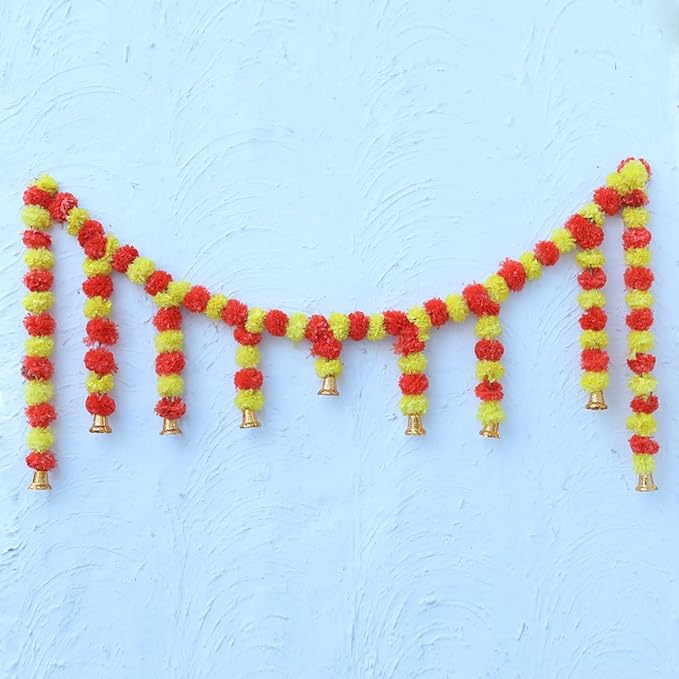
<point x="319" y="156"/>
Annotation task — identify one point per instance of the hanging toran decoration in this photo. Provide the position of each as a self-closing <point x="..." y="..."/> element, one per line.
<point x="625" y="191"/>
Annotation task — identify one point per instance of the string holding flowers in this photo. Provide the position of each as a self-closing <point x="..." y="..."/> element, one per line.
<point x="409" y="330"/>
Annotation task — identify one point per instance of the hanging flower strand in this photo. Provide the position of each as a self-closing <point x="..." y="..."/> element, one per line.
<point x="248" y="327"/>
<point x="169" y="296"/>
<point x="37" y="369"/>
<point x="630" y="180"/>
<point x="586" y="230"/>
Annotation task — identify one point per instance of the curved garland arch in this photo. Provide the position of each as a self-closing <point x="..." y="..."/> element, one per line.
<point x="625" y="191"/>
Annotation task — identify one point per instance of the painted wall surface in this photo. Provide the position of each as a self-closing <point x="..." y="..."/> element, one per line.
<point x="330" y="156"/>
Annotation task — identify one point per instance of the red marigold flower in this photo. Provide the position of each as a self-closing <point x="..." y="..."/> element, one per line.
<point x="276" y="322"/>
<point x="235" y="313"/>
<point x="642" y="445"/>
<point x="489" y="350"/>
<point x="608" y="199"/>
<point x="640" y="319"/>
<point x="36" y="196"/>
<point x="100" y="404"/>
<point x="358" y="325"/>
<point x="593" y="319"/>
<point x="644" y="404"/>
<point x="40" y="325"/>
<point x="414" y="383"/>
<point x="41" y="415"/>
<point x="197" y="298"/>
<point x="170" y="362"/>
<point x="169" y="318"/>
<point x="438" y="311"/>
<point x="36" y="368"/>
<point x="592" y="279"/>
<point x="638" y="278"/>
<point x="36" y="239"/>
<point x="170" y="408"/>
<point x="41" y="462"/>
<point x="636" y="238"/>
<point x="100" y="361"/>
<point x="327" y="347"/>
<point x="317" y="327"/>
<point x="102" y="331"/>
<point x="395" y="321"/>
<point x="586" y="234"/>
<point x="595" y="360"/>
<point x="478" y="300"/>
<point x="38" y="280"/>
<point x="157" y="282"/>
<point x="547" y="253"/>
<point x="408" y="341"/>
<point x="248" y="378"/>
<point x="641" y="363"/>
<point x="100" y="285"/>
<point x="635" y="198"/>
<point x="61" y="205"/>
<point x="123" y="257"/>
<point x="242" y="336"/>
<point x="489" y="391"/>
<point x="514" y="274"/>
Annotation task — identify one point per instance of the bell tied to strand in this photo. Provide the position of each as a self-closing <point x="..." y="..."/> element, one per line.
<point x="625" y="191"/>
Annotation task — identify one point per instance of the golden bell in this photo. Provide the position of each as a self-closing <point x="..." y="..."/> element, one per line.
<point x="646" y="483"/>
<point x="596" y="401"/>
<point x="329" y="386"/>
<point x="415" y="427"/>
<point x="100" y="425"/>
<point x="491" y="431"/>
<point x="170" y="427"/>
<point x="249" y="419"/>
<point x="40" y="481"/>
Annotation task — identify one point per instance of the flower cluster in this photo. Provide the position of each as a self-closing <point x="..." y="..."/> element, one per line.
<point x="410" y="330"/>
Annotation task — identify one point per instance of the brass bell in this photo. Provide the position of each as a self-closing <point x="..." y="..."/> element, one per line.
<point x="170" y="427"/>
<point x="415" y="427"/>
<point x="646" y="483"/>
<point x="249" y="419"/>
<point x="596" y="401"/>
<point x="491" y="431"/>
<point x="329" y="386"/>
<point x="40" y="481"/>
<point x="100" y="425"/>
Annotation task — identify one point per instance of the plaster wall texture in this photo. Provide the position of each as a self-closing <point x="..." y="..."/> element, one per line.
<point x="323" y="156"/>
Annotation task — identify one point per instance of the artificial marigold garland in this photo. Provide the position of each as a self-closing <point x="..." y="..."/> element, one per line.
<point x="625" y="189"/>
